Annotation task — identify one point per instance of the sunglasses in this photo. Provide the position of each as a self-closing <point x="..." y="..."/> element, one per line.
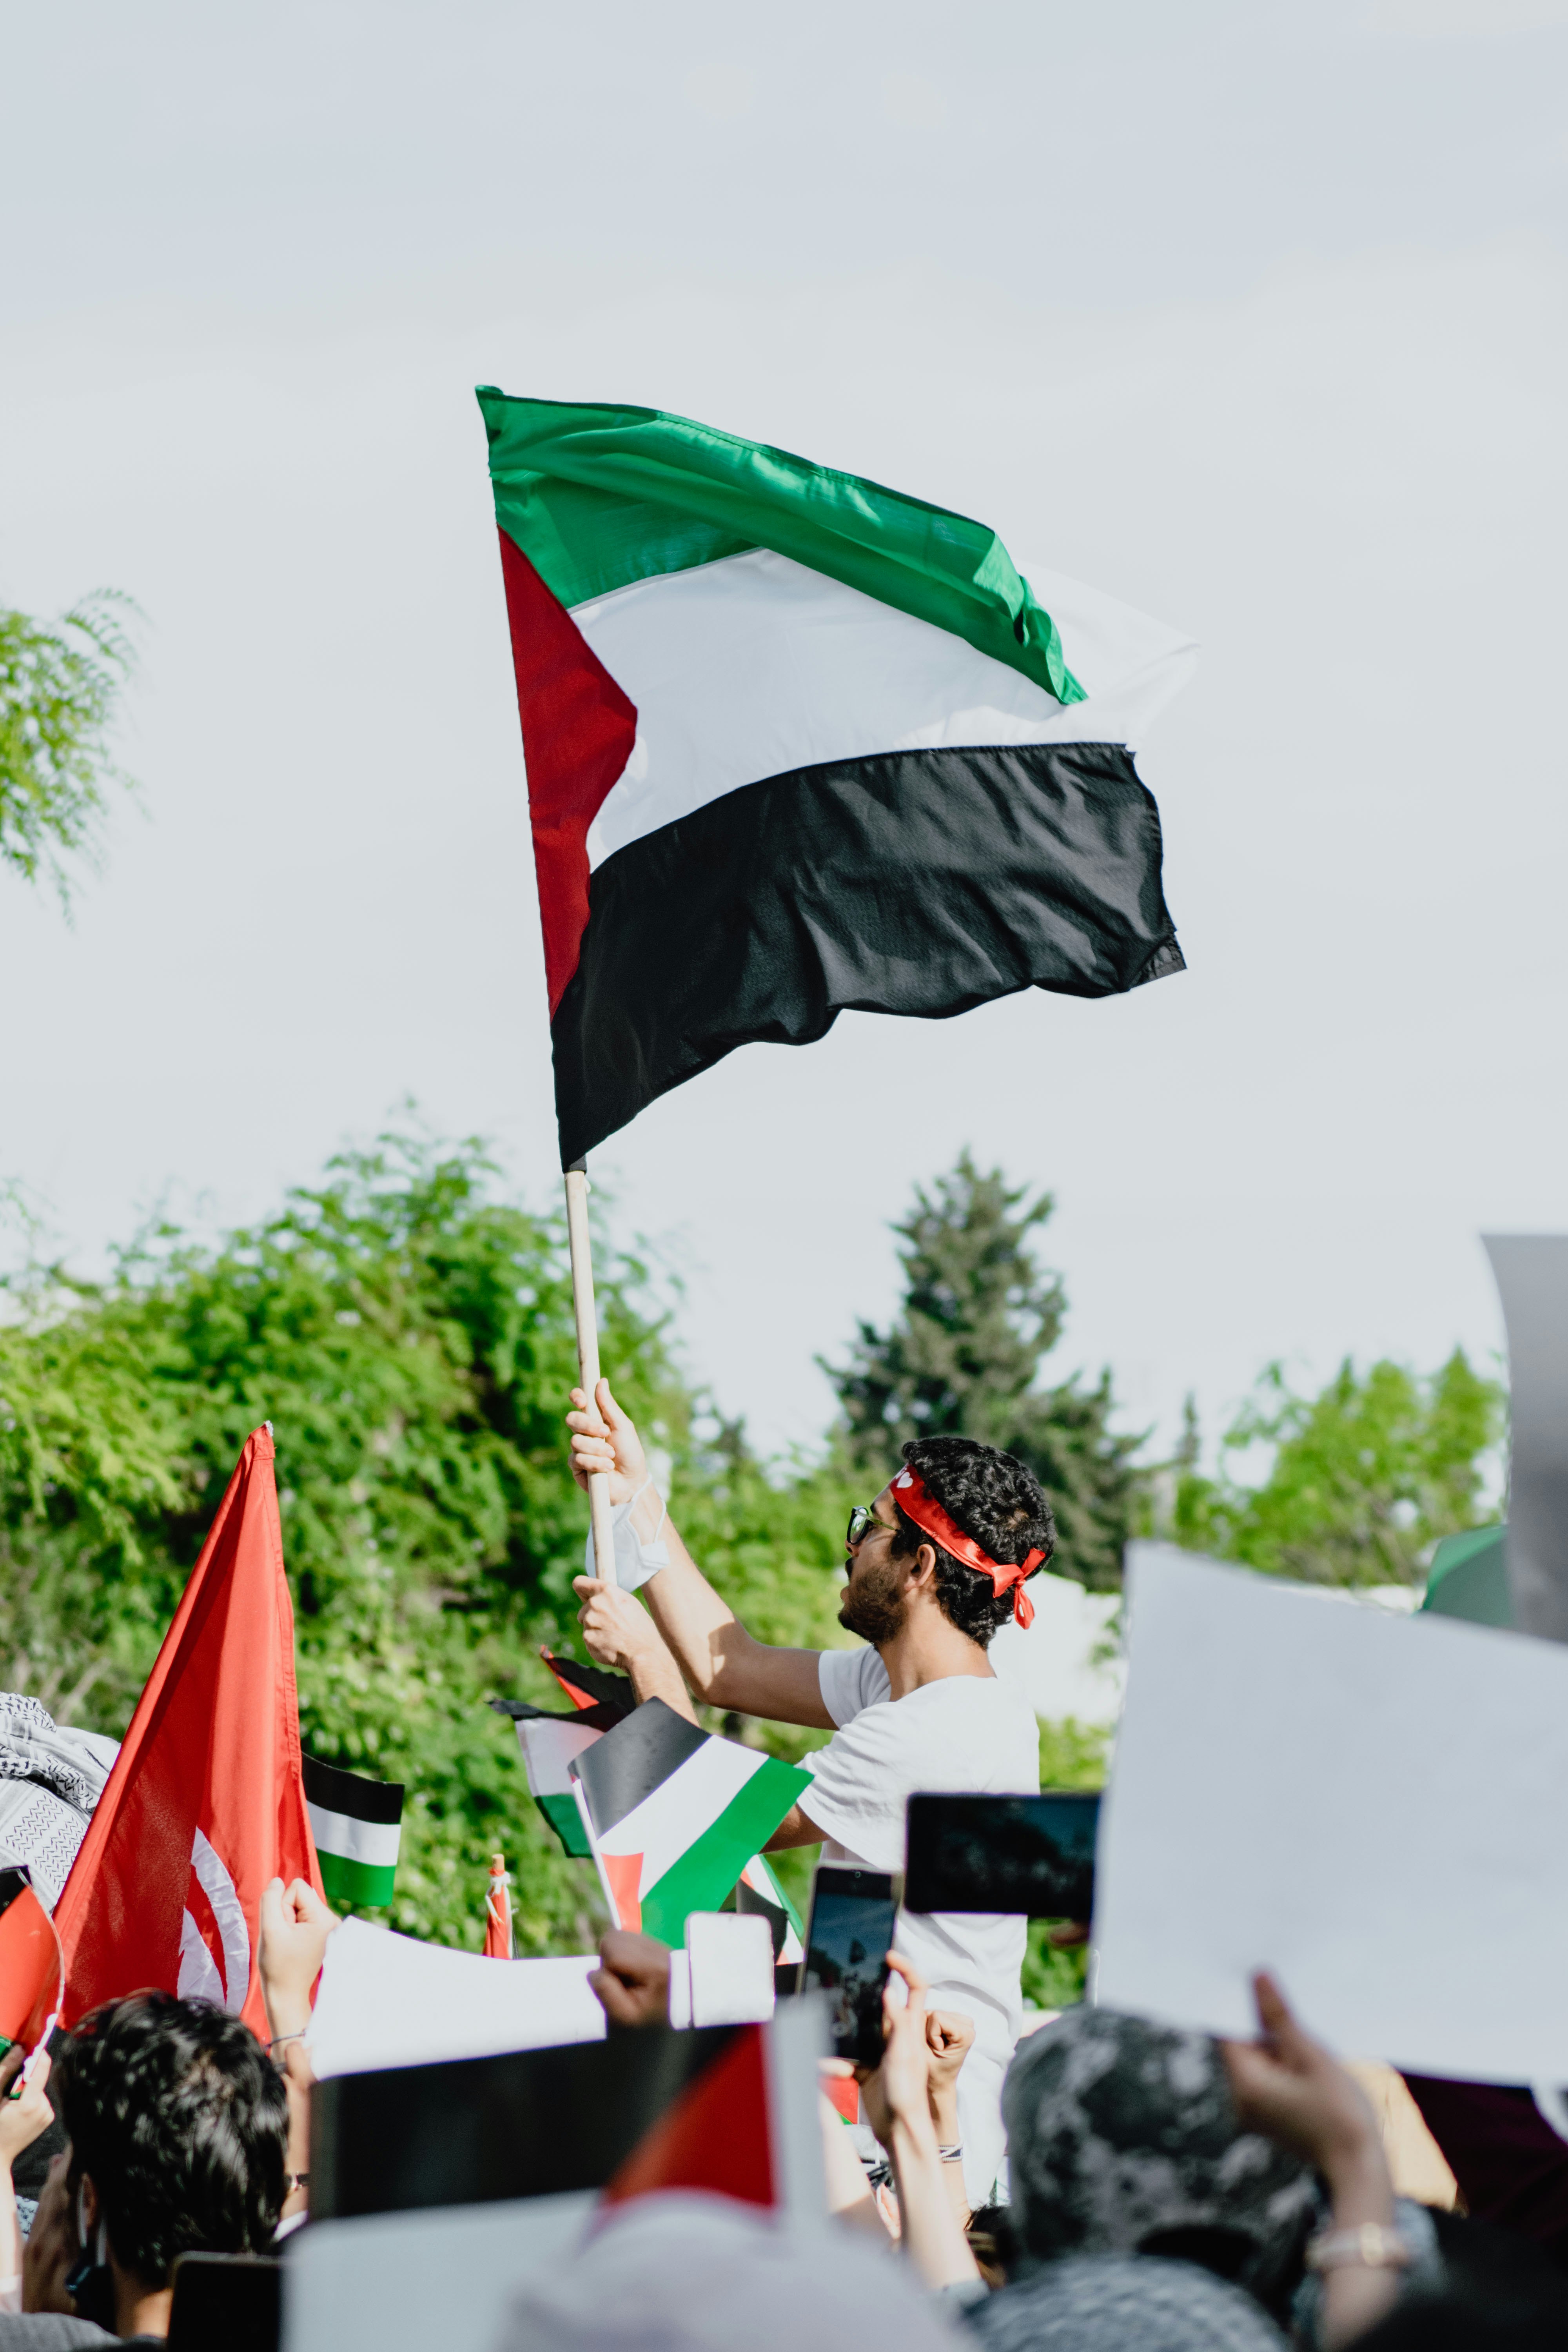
<point x="862" y="1520"/>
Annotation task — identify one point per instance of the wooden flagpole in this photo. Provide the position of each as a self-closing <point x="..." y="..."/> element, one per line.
<point x="576" y="1180"/>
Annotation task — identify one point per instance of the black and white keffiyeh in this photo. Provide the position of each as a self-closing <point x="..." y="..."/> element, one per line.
<point x="1122" y="2138"/>
<point x="51" y="1777"/>
<point x="1122" y="2303"/>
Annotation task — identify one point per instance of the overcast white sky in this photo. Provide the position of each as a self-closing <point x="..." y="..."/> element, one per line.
<point x="1255" y="315"/>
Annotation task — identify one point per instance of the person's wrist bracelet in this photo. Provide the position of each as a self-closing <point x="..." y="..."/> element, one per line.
<point x="953" y="2155"/>
<point x="1368" y="2246"/>
<point x="279" y="2039"/>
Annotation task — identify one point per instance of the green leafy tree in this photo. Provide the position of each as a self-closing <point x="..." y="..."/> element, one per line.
<point x="409" y="1334"/>
<point x="1364" y="1477"/>
<point x="60" y="691"/>
<point x="964" y="1357"/>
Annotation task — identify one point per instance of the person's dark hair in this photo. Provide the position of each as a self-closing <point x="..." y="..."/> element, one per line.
<point x="997" y="1502"/>
<point x="993" y="2242"/>
<point x="176" y="2110"/>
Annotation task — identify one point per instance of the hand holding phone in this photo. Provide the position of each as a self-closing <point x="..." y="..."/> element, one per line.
<point x="848" y="1941"/>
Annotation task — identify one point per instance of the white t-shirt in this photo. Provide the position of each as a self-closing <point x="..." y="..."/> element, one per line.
<point x="969" y="1732"/>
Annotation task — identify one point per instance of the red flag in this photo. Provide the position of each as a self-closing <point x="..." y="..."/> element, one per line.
<point x="206" y="1800"/>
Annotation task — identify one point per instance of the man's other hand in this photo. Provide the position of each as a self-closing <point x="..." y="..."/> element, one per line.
<point x="631" y="1982"/>
<point x="616" y="1629"/>
<point x="605" y="1438"/>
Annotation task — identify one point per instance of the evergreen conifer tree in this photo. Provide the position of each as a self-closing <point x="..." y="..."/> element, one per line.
<point x="963" y="1355"/>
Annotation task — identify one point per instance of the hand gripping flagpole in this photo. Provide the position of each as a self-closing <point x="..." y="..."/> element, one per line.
<point x="576" y="1180"/>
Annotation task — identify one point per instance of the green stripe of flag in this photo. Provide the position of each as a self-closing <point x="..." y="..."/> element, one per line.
<point x="791" y="1913"/>
<point x="367" y="1882"/>
<point x="565" y="1819"/>
<point x="598" y="495"/>
<point x="706" y="1873"/>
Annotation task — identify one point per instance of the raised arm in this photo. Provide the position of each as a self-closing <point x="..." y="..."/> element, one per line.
<point x="1288" y="2085"/>
<point x="721" y="1663"/>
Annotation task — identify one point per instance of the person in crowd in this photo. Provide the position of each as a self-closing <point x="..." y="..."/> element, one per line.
<point x="632" y="1986"/>
<point x="25" y="2115"/>
<point x="1173" y="2192"/>
<point x="295" y="1924"/>
<point x="682" y="2273"/>
<point x="1511" y="2167"/>
<point x="1498" y="2294"/>
<point x="941" y="2040"/>
<point x="935" y="1566"/>
<point x="49" y="2320"/>
<point x="631" y="1983"/>
<point x="177" y="2129"/>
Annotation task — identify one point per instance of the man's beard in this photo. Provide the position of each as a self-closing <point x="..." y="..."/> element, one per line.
<point x="876" y="1608"/>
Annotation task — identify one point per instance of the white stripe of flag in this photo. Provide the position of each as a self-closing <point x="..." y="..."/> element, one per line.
<point x="372" y="1843"/>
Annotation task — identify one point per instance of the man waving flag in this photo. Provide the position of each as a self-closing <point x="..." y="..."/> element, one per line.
<point x="798" y="743"/>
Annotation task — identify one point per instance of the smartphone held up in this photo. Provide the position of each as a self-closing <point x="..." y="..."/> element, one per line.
<point x="1029" y="1857"/>
<point x="850" y="1934"/>
<point x="1033" y="1854"/>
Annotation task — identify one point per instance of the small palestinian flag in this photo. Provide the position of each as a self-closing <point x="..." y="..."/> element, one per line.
<point x="713" y="2136"/>
<point x="593" y="1687"/>
<point x="675" y="1815"/>
<point x="796" y="744"/>
<point x="744" y="2126"/>
<point x="758" y="1890"/>
<point x="550" y="1743"/>
<point x="357" y="1825"/>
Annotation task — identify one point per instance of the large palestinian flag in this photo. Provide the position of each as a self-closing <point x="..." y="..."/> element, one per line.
<point x="797" y="743"/>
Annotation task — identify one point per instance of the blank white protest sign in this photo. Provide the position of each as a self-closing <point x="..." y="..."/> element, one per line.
<point x="731" y="1963"/>
<point x="1373" y="1807"/>
<point x="442" y="2275"/>
<point x="392" y="2000"/>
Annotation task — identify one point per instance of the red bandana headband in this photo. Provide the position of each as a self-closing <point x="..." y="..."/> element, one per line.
<point x="917" y="1502"/>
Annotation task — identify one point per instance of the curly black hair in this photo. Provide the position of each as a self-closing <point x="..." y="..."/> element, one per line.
<point x="998" y="1503"/>
<point x="175" y="2111"/>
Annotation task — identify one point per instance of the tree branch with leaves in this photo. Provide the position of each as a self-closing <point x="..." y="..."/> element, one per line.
<point x="963" y="1355"/>
<point x="60" y="693"/>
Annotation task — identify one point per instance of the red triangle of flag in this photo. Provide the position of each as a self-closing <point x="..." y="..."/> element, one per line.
<point x="715" y="2136"/>
<point x="624" y="1872"/>
<point x="578" y="732"/>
